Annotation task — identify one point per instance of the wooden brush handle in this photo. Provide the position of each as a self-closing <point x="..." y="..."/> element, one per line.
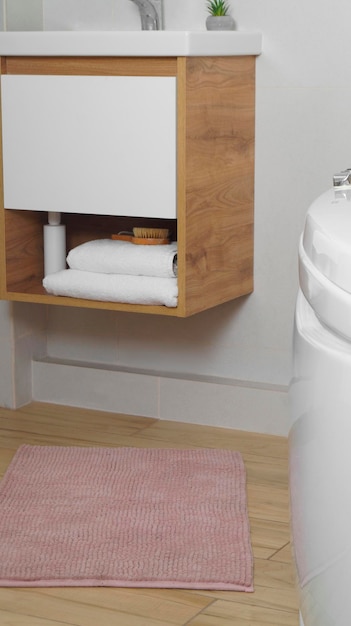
<point x="141" y="241"/>
<point x="123" y="237"/>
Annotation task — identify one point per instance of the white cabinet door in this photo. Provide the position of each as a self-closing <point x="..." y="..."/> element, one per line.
<point x="90" y="144"/>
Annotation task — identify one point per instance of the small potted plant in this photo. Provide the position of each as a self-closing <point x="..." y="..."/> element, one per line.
<point x="219" y="17"/>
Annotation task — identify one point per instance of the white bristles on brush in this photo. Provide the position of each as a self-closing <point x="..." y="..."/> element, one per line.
<point x="151" y="233"/>
<point x="145" y="236"/>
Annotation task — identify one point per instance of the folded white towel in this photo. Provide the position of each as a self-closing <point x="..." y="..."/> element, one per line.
<point x="113" y="287"/>
<point x="111" y="256"/>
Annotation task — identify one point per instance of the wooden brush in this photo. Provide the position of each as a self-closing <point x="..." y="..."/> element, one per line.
<point x="145" y="236"/>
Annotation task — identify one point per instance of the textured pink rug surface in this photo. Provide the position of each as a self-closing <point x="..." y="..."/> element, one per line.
<point x="125" y="517"/>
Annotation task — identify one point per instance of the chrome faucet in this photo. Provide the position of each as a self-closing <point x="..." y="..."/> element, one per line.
<point x="150" y="14"/>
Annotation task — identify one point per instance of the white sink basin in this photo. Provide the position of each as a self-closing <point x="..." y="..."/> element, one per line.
<point x="130" y="43"/>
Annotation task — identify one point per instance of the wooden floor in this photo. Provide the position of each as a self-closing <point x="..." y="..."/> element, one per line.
<point x="273" y="602"/>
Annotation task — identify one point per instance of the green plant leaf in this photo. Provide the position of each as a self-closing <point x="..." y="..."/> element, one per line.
<point x="217" y="7"/>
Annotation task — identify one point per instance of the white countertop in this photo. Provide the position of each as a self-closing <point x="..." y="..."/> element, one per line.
<point x="130" y="43"/>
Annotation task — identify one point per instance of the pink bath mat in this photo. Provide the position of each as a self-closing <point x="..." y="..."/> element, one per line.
<point x="125" y="517"/>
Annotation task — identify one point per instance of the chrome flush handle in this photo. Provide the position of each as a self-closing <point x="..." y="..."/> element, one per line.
<point x="342" y="178"/>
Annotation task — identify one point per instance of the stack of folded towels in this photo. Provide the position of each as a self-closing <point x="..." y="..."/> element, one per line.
<point x="119" y="271"/>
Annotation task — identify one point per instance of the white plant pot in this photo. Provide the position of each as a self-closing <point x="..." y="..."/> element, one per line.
<point x="220" y="22"/>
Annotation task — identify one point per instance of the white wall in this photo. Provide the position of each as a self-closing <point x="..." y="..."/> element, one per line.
<point x="23" y="14"/>
<point x="2" y="14"/>
<point x="7" y="356"/>
<point x="22" y="338"/>
<point x="303" y="136"/>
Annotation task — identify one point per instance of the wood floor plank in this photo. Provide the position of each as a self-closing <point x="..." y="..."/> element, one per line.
<point x="6" y="455"/>
<point x="208" y="436"/>
<point x="274" y="587"/>
<point x="284" y="555"/>
<point x="268" y="536"/>
<point x="270" y="573"/>
<point x="75" y="612"/>
<point x="162" y="605"/>
<point x="9" y="618"/>
<point x="83" y="416"/>
<point x="223" y="613"/>
<point x="12" y="439"/>
<point x="266" y="471"/>
<point x="67" y="429"/>
<point x="271" y="598"/>
<point x="268" y="503"/>
<point x="58" y="435"/>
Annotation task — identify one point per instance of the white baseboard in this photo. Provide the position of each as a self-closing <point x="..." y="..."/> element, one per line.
<point x="207" y="401"/>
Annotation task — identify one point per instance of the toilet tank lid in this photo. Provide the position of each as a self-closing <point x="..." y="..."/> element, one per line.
<point x="327" y="236"/>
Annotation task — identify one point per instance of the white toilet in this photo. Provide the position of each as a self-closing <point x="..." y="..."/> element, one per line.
<point x="320" y="433"/>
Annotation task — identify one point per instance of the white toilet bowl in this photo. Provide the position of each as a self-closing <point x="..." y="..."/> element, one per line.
<point x="320" y="433"/>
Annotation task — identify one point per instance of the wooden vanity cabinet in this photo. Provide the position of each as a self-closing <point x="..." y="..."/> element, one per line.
<point x="212" y="173"/>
